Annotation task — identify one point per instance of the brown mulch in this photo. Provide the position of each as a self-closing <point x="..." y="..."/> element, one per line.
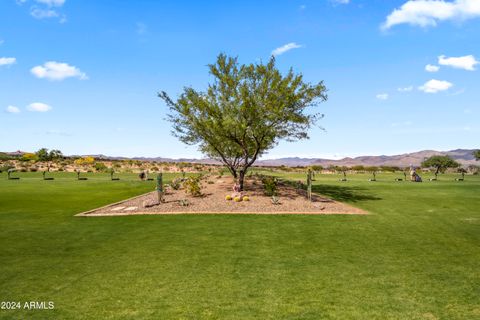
<point x="292" y="201"/>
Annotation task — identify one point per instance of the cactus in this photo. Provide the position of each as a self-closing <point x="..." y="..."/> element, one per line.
<point x="309" y="185"/>
<point x="160" y="187"/>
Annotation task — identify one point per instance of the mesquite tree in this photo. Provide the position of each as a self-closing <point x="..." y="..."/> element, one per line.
<point x="440" y="163"/>
<point x="245" y="112"/>
<point x="476" y="154"/>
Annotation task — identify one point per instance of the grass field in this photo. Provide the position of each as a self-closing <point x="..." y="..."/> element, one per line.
<point x="416" y="256"/>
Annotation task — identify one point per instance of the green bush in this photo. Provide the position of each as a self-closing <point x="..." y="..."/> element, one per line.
<point x="176" y="183"/>
<point x="192" y="186"/>
<point x="5" y="168"/>
<point x="270" y="185"/>
<point x="100" y="167"/>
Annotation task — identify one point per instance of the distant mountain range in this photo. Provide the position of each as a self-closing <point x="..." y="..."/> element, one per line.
<point x="463" y="156"/>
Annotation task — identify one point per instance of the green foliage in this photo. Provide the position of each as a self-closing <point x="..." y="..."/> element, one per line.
<point x="176" y="183"/>
<point x="440" y="163"/>
<point x="193" y="186"/>
<point x="476" y="154"/>
<point x="45" y="155"/>
<point x="100" y="167"/>
<point x="358" y="168"/>
<point x="6" y="167"/>
<point x="317" y="168"/>
<point x="4" y="156"/>
<point x="246" y="111"/>
<point x="270" y="185"/>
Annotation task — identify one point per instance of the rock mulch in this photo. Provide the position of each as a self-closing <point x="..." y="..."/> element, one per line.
<point x="213" y="201"/>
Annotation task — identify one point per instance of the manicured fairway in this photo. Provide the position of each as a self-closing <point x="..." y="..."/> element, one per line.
<point x="416" y="256"/>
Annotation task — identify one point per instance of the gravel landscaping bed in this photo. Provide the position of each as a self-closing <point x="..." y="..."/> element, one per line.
<point x="212" y="201"/>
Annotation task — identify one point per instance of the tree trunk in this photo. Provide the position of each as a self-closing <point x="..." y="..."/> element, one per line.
<point x="241" y="178"/>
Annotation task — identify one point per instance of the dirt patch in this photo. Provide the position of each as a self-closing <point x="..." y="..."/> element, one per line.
<point x="291" y="201"/>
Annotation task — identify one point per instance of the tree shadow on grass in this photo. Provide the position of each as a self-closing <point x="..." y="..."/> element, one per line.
<point x="344" y="194"/>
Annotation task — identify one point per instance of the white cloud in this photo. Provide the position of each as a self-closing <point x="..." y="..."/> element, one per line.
<point x="425" y="13"/>
<point x="434" y="86"/>
<point x="285" y="48"/>
<point x="12" y="109"/>
<point x="303" y="7"/>
<point x="405" y="89"/>
<point x="466" y="62"/>
<point x="52" y="3"/>
<point x="382" y="96"/>
<point x="431" y="68"/>
<point x="341" y="1"/>
<point x="53" y="70"/>
<point x="43" y="13"/>
<point x="38" y="107"/>
<point x="7" y="61"/>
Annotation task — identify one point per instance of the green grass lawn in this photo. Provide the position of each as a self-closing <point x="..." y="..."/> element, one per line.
<point x="416" y="256"/>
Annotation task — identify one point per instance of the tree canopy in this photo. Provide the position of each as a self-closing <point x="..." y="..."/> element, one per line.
<point x="476" y="154"/>
<point x="245" y="112"/>
<point x="440" y="163"/>
<point x="45" y="155"/>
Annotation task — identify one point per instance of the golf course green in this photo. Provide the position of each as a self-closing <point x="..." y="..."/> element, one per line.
<point x="415" y="256"/>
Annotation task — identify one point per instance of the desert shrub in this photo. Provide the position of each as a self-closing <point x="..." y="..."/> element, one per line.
<point x="100" y="167"/>
<point x="228" y="197"/>
<point x="270" y="185"/>
<point x="23" y="169"/>
<point x="210" y="182"/>
<point x="275" y="200"/>
<point x="33" y="169"/>
<point x="60" y="169"/>
<point x="184" y="202"/>
<point x="192" y="186"/>
<point x="237" y="199"/>
<point x="246" y="198"/>
<point x="6" y="167"/>
<point x="154" y="168"/>
<point x="176" y="183"/>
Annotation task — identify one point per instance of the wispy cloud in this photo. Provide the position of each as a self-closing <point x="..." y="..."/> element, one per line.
<point x="58" y="71"/>
<point x="12" y="109"/>
<point x="434" y="86"/>
<point x="426" y="13"/>
<point x="287" y="47"/>
<point x="52" y="3"/>
<point x="405" y="89"/>
<point x="382" y="96"/>
<point x="4" y="61"/>
<point x="39" y="107"/>
<point x="46" y="9"/>
<point x="431" y="68"/>
<point x="340" y="1"/>
<point x="466" y="62"/>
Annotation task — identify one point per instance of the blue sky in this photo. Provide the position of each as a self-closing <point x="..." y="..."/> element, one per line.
<point x="82" y="76"/>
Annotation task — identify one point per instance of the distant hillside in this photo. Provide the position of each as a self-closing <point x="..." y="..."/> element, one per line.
<point x="463" y="156"/>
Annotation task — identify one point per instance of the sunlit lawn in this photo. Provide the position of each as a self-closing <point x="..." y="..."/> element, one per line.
<point x="416" y="256"/>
